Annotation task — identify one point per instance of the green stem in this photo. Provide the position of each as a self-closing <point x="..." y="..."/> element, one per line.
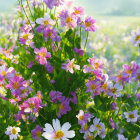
<point x="86" y="40"/>
<point x="29" y="7"/>
<point x="80" y="36"/>
<point x="20" y="2"/>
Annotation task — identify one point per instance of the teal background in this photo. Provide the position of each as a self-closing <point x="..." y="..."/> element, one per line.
<point x="92" y="7"/>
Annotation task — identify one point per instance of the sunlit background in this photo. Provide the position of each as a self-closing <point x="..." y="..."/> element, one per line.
<point x="94" y="7"/>
<point x="115" y="21"/>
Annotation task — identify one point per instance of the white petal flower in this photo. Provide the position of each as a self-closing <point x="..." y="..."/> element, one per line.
<point x="12" y="132"/>
<point x="57" y="132"/>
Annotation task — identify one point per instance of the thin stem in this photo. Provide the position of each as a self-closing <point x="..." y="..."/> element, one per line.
<point x="80" y="36"/>
<point x="20" y="2"/>
<point x="139" y="49"/>
<point x="43" y="6"/>
<point x="86" y="40"/>
<point x="29" y="7"/>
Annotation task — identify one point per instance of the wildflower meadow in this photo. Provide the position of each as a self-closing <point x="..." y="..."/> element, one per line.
<point x="53" y="85"/>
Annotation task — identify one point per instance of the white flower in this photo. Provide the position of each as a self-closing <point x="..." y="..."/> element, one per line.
<point x="12" y="132"/>
<point x="121" y="137"/>
<point x="80" y="115"/>
<point x="57" y="132"/>
<point x="131" y="116"/>
<point x="45" y="21"/>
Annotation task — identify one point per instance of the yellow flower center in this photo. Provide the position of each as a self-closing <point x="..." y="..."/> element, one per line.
<point x="138" y="77"/>
<point x="119" y="76"/>
<point x="128" y="71"/>
<point x="42" y="54"/>
<point x="114" y="90"/>
<point x="71" y="65"/>
<point x="3" y="73"/>
<point x="90" y="137"/>
<point x="25" y="36"/>
<point x="88" y="24"/>
<point x="14" y="131"/>
<point x="68" y="20"/>
<point x="49" y="34"/>
<point x="15" y="86"/>
<point x="93" y="87"/>
<point x="96" y="65"/>
<point x="32" y="105"/>
<point x="38" y="133"/>
<point x="61" y="106"/>
<point x="98" y="126"/>
<point x="76" y="12"/>
<point x="131" y="116"/>
<point x="81" y="117"/>
<point x="59" y="134"/>
<point x="86" y="126"/>
<point x="46" y="22"/>
<point x="104" y="86"/>
<point x="137" y="38"/>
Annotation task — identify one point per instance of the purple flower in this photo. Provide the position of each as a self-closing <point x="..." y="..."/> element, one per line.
<point x="55" y="95"/>
<point x="52" y="34"/>
<point x="63" y="106"/>
<point x="94" y="87"/>
<point x="52" y="81"/>
<point x="74" y="99"/>
<point x="67" y="20"/>
<point x="37" y="132"/>
<point x="31" y="63"/>
<point x="112" y="123"/>
<point x="113" y="105"/>
<point x="79" y="51"/>
<point x="52" y="3"/>
<point x="49" y="67"/>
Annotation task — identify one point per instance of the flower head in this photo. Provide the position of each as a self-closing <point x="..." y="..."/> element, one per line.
<point x="37" y="132"/>
<point x="70" y="65"/>
<point x="42" y="55"/>
<point x="135" y="37"/>
<point x="12" y="132"/>
<point x="88" y="24"/>
<point x="57" y="132"/>
<point x="131" y="116"/>
<point x="46" y="21"/>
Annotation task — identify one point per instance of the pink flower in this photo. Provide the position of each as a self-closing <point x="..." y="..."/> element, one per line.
<point x="88" y="25"/>
<point x="42" y="55"/>
<point x="96" y="63"/>
<point x="31" y="105"/>
<point x="70" y="65"/>
<point x="78" y="11"/>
